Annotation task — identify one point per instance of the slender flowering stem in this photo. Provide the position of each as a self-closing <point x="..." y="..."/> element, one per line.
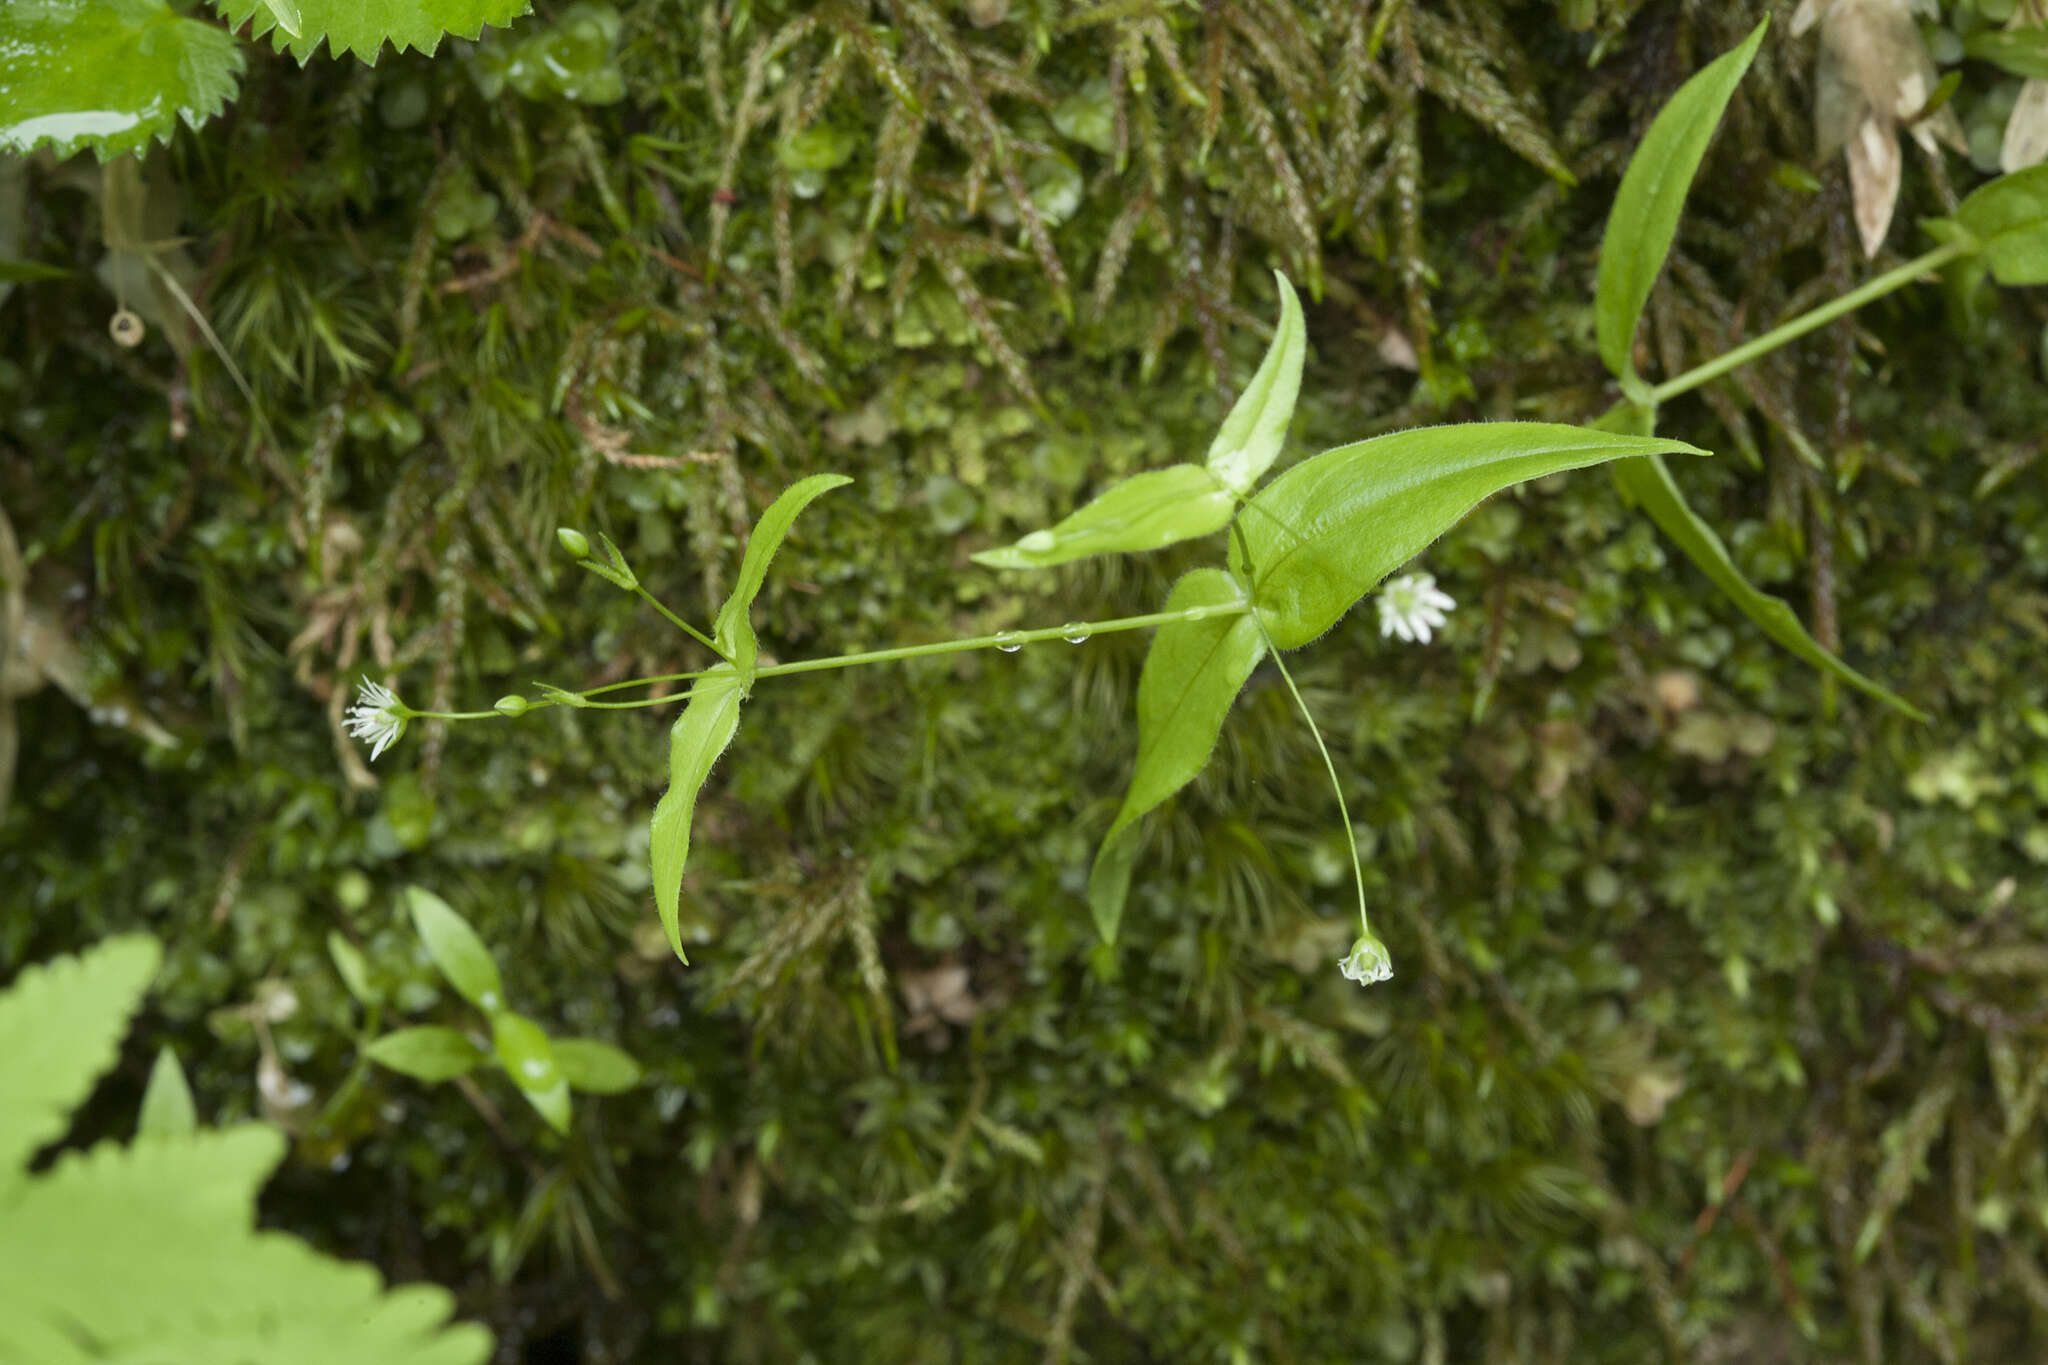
<point x="678" y="622"/>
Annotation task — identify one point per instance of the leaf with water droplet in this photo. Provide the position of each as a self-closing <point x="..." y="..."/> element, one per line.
<point x="456" y="950"/>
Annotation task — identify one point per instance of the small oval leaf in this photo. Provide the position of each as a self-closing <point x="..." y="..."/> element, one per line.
<point x="698" y="737"/>
<point x="427" y="1054"/>
<point x="456" y="950"/>
<point x="529" y="1059"/>
<point x="167" y="1108"/>
<point x="596" y="1067"/>
<point x="353" y="970"/>
<point x="1251" y="436"/>
<point x="1323" y="534"/>
<point x="1192" y="674"/>
<point x="2009" y="219"/>
<point x="734" y="627"/>
<point x="1145" y="512"/>
<point x="1644" y="218"/>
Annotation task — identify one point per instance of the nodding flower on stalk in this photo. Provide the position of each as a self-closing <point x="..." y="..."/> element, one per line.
<point x="377" y="718"/>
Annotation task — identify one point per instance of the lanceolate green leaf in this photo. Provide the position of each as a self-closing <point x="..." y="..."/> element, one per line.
<point x="1644" y="219"/>
<point x="107" y="74"/>
<point x="364" y="26"/>
<point x="734" y="628"/>
<point x="529" y="1059"/>
<point x="427" y="1054"/>
<point x="1649" y="484"/>
<point x="456" y="949"/>
<point x="595" y="1067"/>
<point x="1192" y="674"/>
<point x="1145" y="512"/>
<point x="1250" y="439"/>
<point x="1323" y="534"/>
<point x="60" y="1028"/>
<point x="696" y="740"/>
<point x="2009" y="217"/>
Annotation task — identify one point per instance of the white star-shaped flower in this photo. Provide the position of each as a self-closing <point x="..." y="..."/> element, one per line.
<point x="377" y="718"/>
<point x="1368" y="962"/>
<point x="1412" y="606"/>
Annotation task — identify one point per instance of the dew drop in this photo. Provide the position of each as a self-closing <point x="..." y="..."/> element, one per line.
<point x="1074" y="635"/>
<point x="1008" y="642"/>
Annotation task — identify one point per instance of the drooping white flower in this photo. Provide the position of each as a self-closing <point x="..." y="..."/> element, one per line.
<point x="377" y="718"/>
<point x="1412" y="606"/>
<point x="1367" y="962"/>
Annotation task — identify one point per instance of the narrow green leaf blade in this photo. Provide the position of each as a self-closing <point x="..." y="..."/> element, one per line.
<point x="456" y="950"/>
<point x="1251" y="436"/>
<point x="353" y="970"/>
<point x="1649" y="483"/>
<point x="1325" y="533"/>
<point x="2009" y="217"/>
<point x="595" y="1067"/>
<point x="428" y="1053"/>
<point x="60" y="1028"/>
<point x="1145" y="512"/>
<point x="1192" y="674"/>
<point x="734" y="627"/>
<point x="1644" y="219"/>
<point x="167" y="1108"/>
<point x="529" y="1059"/>
<point x="699" y="736"/>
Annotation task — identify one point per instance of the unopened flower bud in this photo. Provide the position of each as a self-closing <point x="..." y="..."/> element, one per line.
<point x="513" y="705"/>
<point x="573" y="541"/>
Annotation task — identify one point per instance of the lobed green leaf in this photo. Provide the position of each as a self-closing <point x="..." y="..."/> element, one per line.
<point x="1145" y="512"/>
<point x="456" y="950"/>
<point x="698" y="737"/>
<point x="1323" y="534"/>
<point x="1250" y="438"/>
<point x="1192" y="674"/>
<point x="1644" y="219"/>
<point x="167" y="1109"/>
<point x="364" y="26"/>
<point x="428" y="1053"/>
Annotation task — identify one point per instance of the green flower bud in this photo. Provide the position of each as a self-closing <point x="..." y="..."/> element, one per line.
<point x="573" y="541"/>
<point x="514" y="705"/>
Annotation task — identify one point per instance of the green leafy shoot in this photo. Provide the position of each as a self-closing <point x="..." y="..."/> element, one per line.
<point x="1644" y="219"/>
<point x="112" y="75"/>
<point x="595" y="1067"/>
<point x="153" y="1246"/>
<point x="1147" y="511"/>
<point x="1192" y="674"/>
<point x="2009" y="219"/>
<point x="733" y="628"/>
<point x="456" y="950"/>
<point x="1326" y="532"/>
<point x="429" y="1053"/>
<point x="698" y="737"/>
<point x="1251" y="436"/>
<point x="364" y="26"/>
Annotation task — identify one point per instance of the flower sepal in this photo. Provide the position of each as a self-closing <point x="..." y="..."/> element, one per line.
<point x="1367" y="962"/>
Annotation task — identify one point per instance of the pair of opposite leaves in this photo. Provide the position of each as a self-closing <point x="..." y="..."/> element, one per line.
<point x="1306" y="548"/>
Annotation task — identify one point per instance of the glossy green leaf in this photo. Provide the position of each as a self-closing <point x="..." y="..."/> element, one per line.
<point x="427" y="1054"/>
<point x="695" y="741"/>
<point x="1644" y="219"/>
<point x="2022" y="51"/>
<point x="529" y="1059"/>
<point x="364" y="26"/>
<point x="167" y="1108"/>
<point x="1144" y="512"/>
<point x="353" y="970"/>
<point x="456" y="950"/>
<point x="1648" y="483"/>
<point x="596" y="1067"/>
<point x="1251" y="436"/>
<point x="1325" y="533"/>
<point x="107" y="74"/>
<point x="2009" y="218"/>
<point x="1192" y="674"/>
<point x="734" y="627"/>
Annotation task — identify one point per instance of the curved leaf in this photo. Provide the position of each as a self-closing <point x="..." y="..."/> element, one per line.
<point x="595" y="1067"/>
<point x="167" y="1108"/>
<point x="1652" y="194"/>
<point x="60" y="1028"/>
<point x="1192" y="674"/>
<point x="2009" y="218"/>
<point x="696" y="740"/>
<point x="1145" y="512"/>
<point x="2022" y="51"/>
<point x="734" y="627"/>
<point x="529" y="1059"/>
<point x="364" y="26"/>
<point x="428" y="1053"/>
<point x="456" y="950"/>
<point x="107" y="74"/>
<point x="1323" y="534"/>
<point x="1251" y="436"/>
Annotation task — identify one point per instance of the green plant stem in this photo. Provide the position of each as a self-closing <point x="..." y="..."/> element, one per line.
<point x="411" y="714"/>
<point x="1343" y="810"/>
<point x="1806" y="322"/>
<point x="679" y="623"/>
